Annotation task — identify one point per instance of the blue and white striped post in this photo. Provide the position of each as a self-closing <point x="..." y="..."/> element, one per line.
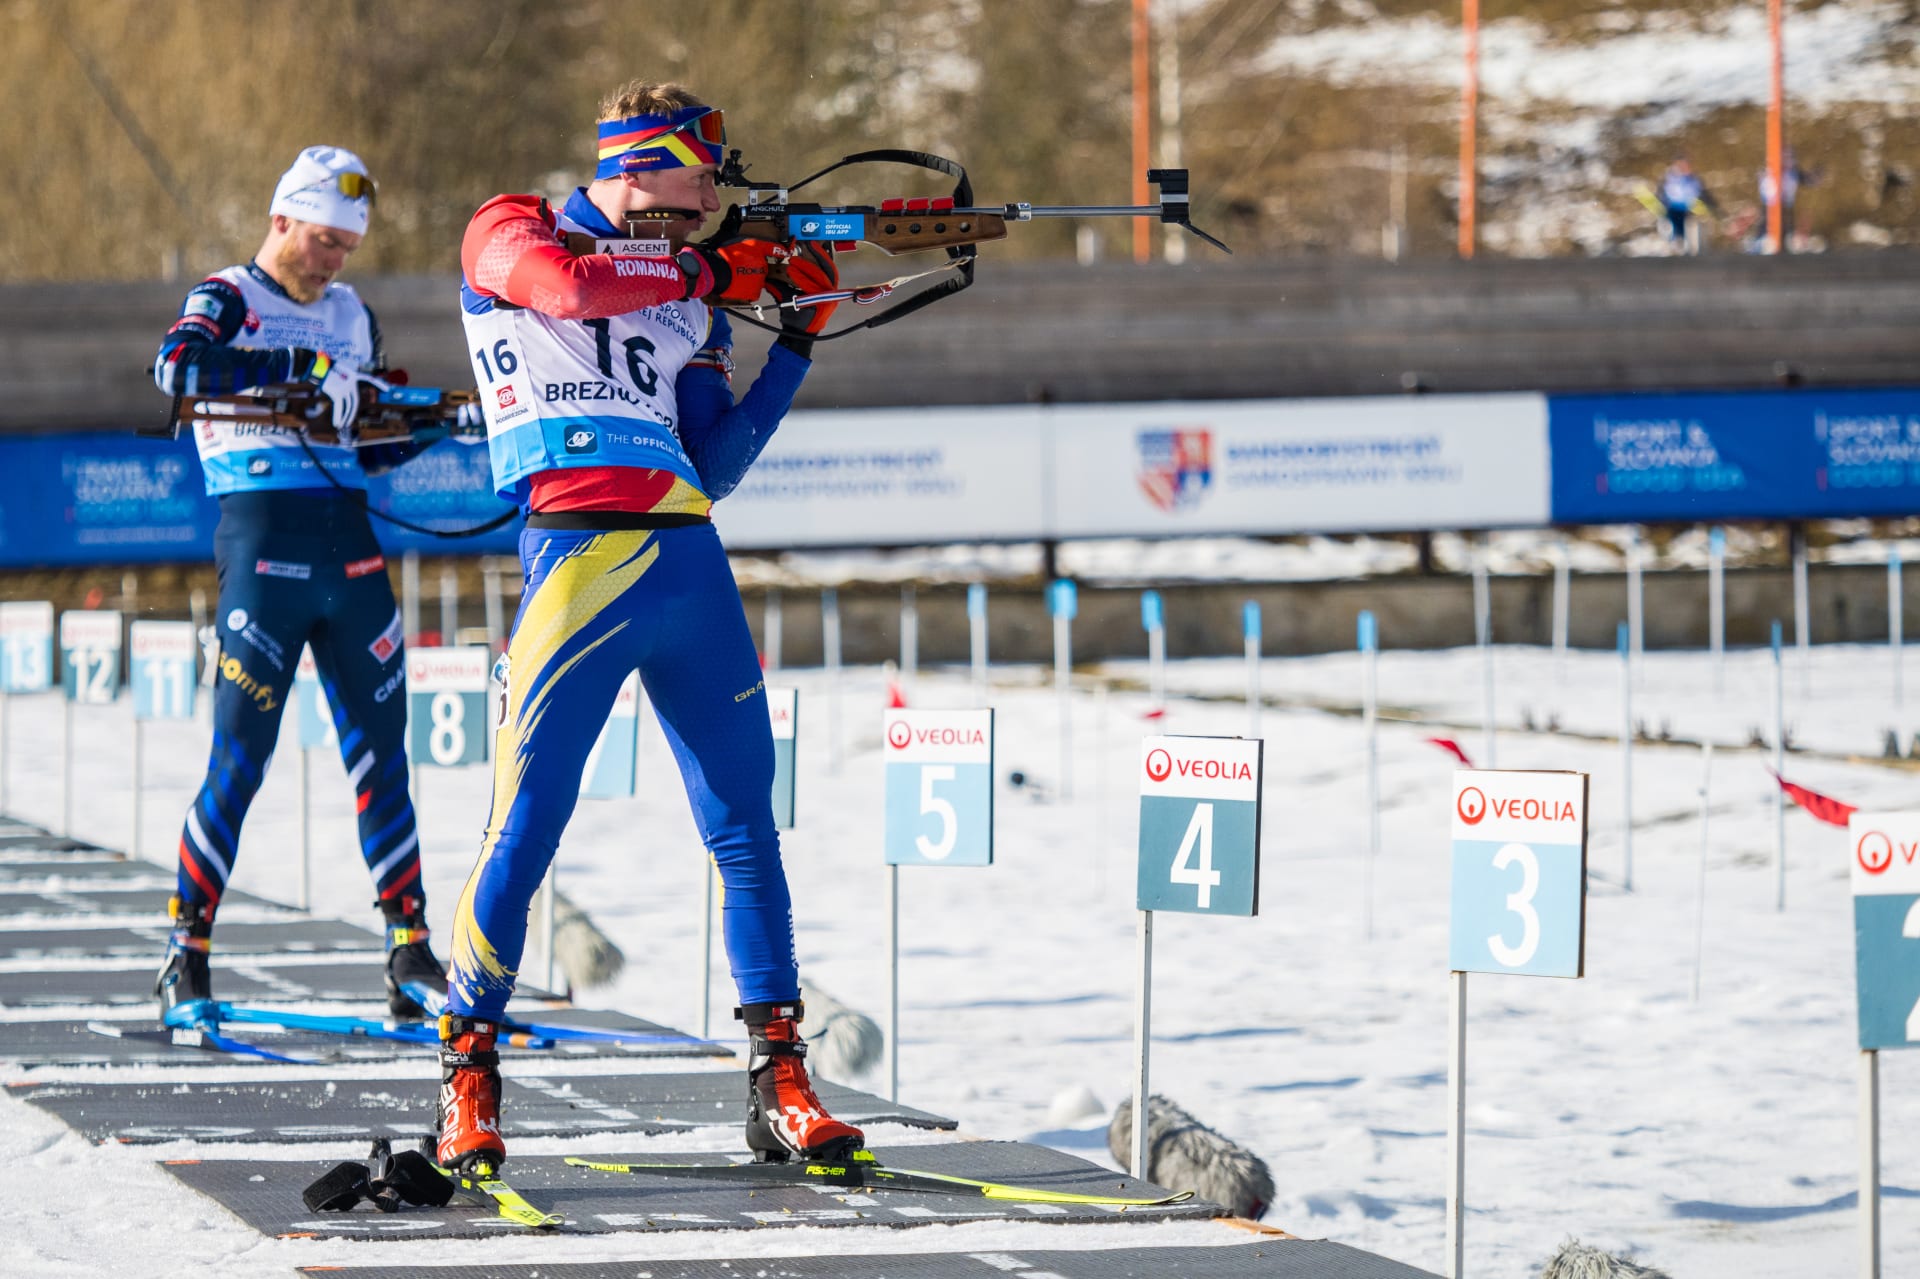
<point x="1483" y="636"/>
<point x="977" y="639"/>
<point x="1369" y="641"/>
<point x="1063" y="602"/>
<point x="1623" y="640"/>
<point x="1153" y="619"/>
<point x="1636" y="599"/>
<point x="1250" y="630"/>
<point x="1779" y="769"/>
<point x="1896" y="637"/>
<point x="1717" y="606"/>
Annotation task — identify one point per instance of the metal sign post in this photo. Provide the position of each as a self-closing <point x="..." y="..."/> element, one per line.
<point x="1063" y="602"/>
<point x="939" y="812"/>
<point x="1636" y="599"/>
<point x="1884" y="872"/>
<point x="1199" y="853"/>
<point x="1518" y="905"/>
<point x="1896" y="626"/>
<point x="1369" y="639"/>
<point x="1562" y="607"/>
<point x="1700" y="882"/>
<point x="1779" y="769"/>
<point x="1622" y="642"/>
<point x="772" y="629"/>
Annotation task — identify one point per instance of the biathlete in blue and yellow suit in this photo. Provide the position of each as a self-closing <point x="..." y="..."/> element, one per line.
<point x="297" y="562"/>
<point x="606" y="381"/>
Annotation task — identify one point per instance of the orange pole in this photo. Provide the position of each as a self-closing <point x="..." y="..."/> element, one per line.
<point x="1776" y="133"/>
<point x="1142" y="232"/>
<point x="1469" y="128"/>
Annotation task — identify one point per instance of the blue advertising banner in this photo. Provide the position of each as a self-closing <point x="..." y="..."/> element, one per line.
<point x="106" y="497"/>
<point x="1713" y="456"/>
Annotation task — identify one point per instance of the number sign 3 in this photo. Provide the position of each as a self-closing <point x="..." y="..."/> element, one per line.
<point x="1519" y="873"/>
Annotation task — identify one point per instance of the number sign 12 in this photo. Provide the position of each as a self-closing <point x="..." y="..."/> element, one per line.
<point x="90" y="653"/>
<point x="163" y="669"/>
<point x="1885" y="854"/>
<point x="447" y="706"/>
<point x="26" y="646"/>
<point x="1519" y="902"/>
<point x="939" y="787"/>
<point x="1200" y="825"/>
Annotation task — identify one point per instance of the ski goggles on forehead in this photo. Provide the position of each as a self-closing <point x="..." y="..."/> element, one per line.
<point x="354" y="186"/>
<point x="641" y="143"/>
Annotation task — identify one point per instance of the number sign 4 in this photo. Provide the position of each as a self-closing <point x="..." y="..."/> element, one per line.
<point x="1200" y="825"/>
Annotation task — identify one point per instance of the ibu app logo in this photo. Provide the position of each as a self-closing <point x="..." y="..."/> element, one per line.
<point x="582" y="440"/>
<point x="830" y="226"/>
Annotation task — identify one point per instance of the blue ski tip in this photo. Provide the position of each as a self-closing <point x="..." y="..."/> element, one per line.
<point x="194" y="1012"/>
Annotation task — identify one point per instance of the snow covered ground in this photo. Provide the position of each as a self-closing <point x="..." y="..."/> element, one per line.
<point x="1712" y="1139"/>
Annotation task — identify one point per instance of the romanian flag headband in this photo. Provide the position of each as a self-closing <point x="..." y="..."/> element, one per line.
<point x="640" y="143"/>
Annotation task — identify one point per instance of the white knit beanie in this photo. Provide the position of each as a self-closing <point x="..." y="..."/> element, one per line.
<point x="310" y="190"/>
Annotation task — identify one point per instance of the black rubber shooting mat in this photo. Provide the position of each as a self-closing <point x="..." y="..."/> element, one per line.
<point x="532" y="1105"/>
<point x="15" y="840"/>
<point x="72" y="900"/>
<point x="93" y="871"/>
<point x="71" y="1043"/>
<point x="294" y="936"/>
<point x="1264" y="1259"/>
<point x="266" y="1195"/>
<point x="241" y="980"/>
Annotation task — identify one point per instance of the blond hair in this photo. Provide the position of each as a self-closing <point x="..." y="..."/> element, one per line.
<point x="644" y="97"/>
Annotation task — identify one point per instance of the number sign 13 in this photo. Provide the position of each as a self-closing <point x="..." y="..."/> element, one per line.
<point x="26" y="646"/>
<point x="939" y="787"/>
<point x="1200" y="825"/>
<point x="1885" y="851"/>
<point x="1519" y="902"/>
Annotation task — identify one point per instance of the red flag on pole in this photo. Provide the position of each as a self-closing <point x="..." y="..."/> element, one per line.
<point x="1452" y="747"/>
<point x="1820" y="807"/>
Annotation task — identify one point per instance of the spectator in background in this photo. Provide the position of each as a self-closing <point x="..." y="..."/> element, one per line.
<point x="1684" y="200"/>
<point x="1792" y="178"/>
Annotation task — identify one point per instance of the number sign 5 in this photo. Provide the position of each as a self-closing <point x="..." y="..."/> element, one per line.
<point x="939" y="787"/>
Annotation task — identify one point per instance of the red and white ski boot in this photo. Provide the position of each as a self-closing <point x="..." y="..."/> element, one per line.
<point x="784" y="1117"/>
<point x="469" y="1104"/>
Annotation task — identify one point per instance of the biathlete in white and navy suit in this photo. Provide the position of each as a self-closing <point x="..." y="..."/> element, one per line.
<point x="297" y="560"/>
<point x="605" y="381"/>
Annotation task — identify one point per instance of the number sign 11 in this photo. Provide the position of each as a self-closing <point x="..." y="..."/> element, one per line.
<point x="26" y="646"/>
<point x="1200" y="825"/>
<point x="447" y="706"/>
<point x="1519" y="902"/>
<point x="939" y="788"/>
<point x="1886" y="926"/>
<point x="90" y="652"/>
<point x="163" y="669"/>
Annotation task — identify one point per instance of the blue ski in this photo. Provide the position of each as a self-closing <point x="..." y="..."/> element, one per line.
<point x="435" y="1002"/>
<point x="201" y="1037"/>
<point x="207" y="1016"/>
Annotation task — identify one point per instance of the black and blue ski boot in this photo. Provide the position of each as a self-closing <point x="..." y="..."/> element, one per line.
<point x="409" y="959"/>
<point x="184" y="973"/>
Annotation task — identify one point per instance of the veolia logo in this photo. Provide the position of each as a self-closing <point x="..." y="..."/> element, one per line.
<point x="1159" y="764"/>
<point x="1875" y="852"/>
<point x="1472" y="805"/>
<point x="898" y="734"/>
